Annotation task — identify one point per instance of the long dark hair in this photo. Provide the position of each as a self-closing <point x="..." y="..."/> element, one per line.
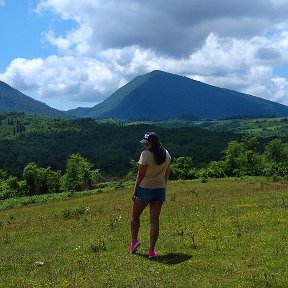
<point x="159" y="153"/>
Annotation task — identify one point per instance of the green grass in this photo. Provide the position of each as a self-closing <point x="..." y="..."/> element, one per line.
<point x="224" y="233"/>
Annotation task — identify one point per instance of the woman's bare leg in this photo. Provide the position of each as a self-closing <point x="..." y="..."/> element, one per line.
<point x="138" y="208"/>
<point x="155" y="209"/>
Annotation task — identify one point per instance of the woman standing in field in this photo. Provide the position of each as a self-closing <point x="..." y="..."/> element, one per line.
<point x="152" y="176"/>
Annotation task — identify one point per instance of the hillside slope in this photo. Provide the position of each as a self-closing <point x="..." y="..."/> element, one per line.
<point x="159" y="96"/>
<point x="224" y="233"/>
<point x="12" y="100"/>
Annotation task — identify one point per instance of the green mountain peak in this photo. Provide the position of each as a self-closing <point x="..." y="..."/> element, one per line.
<point x="159" y="95"/>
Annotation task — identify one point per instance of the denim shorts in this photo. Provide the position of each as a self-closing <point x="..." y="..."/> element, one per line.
<point x="149" y="195"/>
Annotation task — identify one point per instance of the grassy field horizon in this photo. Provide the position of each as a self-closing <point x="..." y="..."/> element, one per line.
<point x="223" y="233"/>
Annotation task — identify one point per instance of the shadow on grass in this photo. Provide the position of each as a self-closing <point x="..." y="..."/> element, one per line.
<point x="168" y="259"/>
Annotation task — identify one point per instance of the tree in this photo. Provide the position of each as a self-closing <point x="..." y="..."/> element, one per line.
<point x="9" y="188"/>
<point x="183" y="168"/>
<point x="30" y="176"/>
<point x="216" y="169"/>
<point x="253" y="165"/>
<point x="242" y="158"/>
<point x="276" y="151"/>
<point x="275" y="159"/>
<point x="234" y="159"/>
<point x="79" y="174"/>
<point x="41" y="180"/>
<point x="250" y="143"/>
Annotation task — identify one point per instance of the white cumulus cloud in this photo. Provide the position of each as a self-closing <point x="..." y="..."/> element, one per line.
<point x="76" y="80"/>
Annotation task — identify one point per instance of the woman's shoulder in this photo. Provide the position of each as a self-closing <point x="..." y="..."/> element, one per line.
<point x="146" y="153"/>
<point x="146" y="157"/>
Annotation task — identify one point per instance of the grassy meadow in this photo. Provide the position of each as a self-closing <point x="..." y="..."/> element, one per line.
<point x="223" y="233"/>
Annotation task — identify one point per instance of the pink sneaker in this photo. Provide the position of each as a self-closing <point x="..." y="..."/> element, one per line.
<point x="134" y="246"/>
<point x="152" y="254"/>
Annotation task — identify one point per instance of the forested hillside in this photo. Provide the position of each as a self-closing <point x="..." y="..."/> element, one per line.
<point x="162" y="96"/>
<point x="263" y="127"/>
<point x="12" y="100"/>
<point x="110" y="146"/>
<point x="260" y="127"/>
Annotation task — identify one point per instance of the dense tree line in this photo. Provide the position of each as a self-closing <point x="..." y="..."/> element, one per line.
<point x="108" y="145"/>
<point x="241" y="158"/>
<point x="79" y="175"/>
<point x="78" y="154"/>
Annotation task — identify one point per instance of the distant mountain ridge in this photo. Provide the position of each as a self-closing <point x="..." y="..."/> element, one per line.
<point x="160" y="96"/>
<point x="12" y="100"/>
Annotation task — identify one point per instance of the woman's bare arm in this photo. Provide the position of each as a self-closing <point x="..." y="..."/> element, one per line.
<point x="167" y="173"/>
<point x="139" y="177"/>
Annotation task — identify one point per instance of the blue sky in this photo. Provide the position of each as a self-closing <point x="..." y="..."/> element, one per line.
<point x="71" y="53"/>
<point x="21" y="28"/>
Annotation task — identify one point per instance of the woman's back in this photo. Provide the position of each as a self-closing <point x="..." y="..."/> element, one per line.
<point x="155" y="174"/>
